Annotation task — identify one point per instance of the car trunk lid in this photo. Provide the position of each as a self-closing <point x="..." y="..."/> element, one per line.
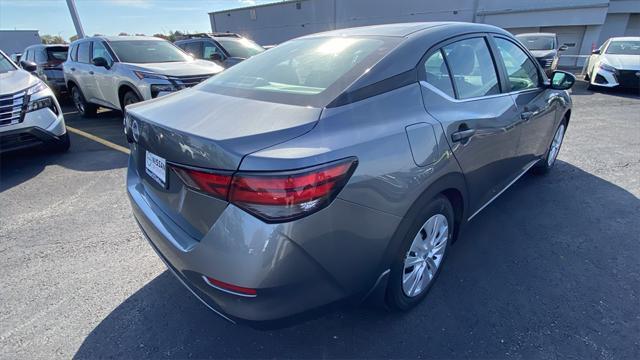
<point x="209" y="132"/>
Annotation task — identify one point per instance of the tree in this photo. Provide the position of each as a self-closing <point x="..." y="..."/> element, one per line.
<point x="52" y="39"/>
<point x="73" y="38"/>
<point x="161" y="36"/>
<point x="123" y="34"/>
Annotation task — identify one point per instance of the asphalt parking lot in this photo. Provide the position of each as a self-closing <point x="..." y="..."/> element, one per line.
<point x="549" y="270"/>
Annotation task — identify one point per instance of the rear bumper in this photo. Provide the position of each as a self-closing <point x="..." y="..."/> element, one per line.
<point x="290" y="278"/>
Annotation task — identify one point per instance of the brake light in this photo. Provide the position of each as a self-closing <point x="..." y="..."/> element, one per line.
<point x="216" y="184"/>
<point x="275" y="196"/>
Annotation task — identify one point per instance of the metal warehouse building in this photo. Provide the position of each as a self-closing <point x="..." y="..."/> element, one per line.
<point x="14" y="41"/>
<point x="580" y="24"/>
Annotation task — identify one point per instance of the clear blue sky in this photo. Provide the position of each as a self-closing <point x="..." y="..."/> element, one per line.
<point x="111" y="17"/>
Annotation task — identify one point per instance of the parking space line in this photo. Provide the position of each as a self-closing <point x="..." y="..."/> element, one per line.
<point x="100" y="140"/>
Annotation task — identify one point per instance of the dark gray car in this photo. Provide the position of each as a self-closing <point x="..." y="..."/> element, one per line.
<point x="544" y="47"/>
<point x="340" y="164"/>
<point x="45" y="62"/>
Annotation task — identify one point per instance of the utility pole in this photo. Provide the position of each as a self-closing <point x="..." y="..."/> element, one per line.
<point x="76" y="18"/>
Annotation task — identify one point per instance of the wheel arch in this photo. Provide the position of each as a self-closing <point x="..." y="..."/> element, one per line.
<point x="123" y="88"/>
<point x="453" y="187"/>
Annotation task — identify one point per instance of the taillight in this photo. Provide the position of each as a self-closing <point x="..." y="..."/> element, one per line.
<point x="216" y="184"/>
<point x="275" y="196"/>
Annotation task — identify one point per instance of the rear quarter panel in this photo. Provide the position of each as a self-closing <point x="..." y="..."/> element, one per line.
<point x="384" y="187"/>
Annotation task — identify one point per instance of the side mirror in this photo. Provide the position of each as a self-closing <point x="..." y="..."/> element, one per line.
<point x="29" y="66"/>
<point x="101" y="62"/>
<point x="215" y="57"/>
<point x="596" y="52"/>
<point x="562" y="80"/>
<point x="563" y="48"/>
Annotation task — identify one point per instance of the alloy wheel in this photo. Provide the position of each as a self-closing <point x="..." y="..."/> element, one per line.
<point x="423" y="259"/>
<point x="555" y="145"/>
<point x="77" y="101"/>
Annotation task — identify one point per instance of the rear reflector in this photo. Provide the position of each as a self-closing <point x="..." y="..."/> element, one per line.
<point x="230" y="288"/>
<point x="275" y="196"/>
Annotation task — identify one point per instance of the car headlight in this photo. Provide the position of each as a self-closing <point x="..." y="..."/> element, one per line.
<point x="607" y="67"/>
<point x="145" y="75"/>
<point x="158" y="88"/>
<point x="42" y="103"/>
<point x="40" y="86"/>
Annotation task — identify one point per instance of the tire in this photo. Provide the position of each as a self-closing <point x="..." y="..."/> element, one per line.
<point x="129" y="98"/>
<point x="63" y="144"/>
<point x="547" y="162"/>
<point x="428" y="229"/>
<point x="84" y="108"/>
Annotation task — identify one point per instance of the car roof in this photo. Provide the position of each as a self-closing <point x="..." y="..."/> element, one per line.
<point x="46" y="46"/>
<point x="414" y="39"/>
<point x="536" y="34"/>
<point x="118" y="38"/>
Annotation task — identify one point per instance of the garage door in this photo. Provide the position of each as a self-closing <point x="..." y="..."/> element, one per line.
<point x="570" y="36"/>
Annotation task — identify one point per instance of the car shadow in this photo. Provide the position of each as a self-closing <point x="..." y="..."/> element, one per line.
<point x="581" y="88"/>
<point x="536" y="273"/>
<point x="19" y="166"/>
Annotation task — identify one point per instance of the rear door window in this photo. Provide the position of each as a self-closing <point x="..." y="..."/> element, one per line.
<point x="521" y="71"/>
<point x="84" y="50"/>
<point x="437" y="74"/>
<point x="41" y="56"/>
<point x="73" y="53"/>
<point x="472" y="68"/>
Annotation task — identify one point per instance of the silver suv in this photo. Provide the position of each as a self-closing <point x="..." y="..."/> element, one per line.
<point x="29" y="112"/>
<point x="116" y="71"/>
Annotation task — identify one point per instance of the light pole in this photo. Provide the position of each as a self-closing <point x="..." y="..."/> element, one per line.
<point x="76" y="18"/>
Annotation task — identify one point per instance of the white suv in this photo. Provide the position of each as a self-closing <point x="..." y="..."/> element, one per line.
<point x="115" y="71"/>
<point x="29" y="112"/>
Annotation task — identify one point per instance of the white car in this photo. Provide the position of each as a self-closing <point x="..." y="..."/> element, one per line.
<point x="615" y="63"/>
<point x="29" y="112"/>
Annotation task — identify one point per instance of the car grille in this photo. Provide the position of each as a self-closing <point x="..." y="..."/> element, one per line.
<point x="546" y="63"/>
<point x="628" y="78"/>
<point x="189" y="81"/>
<point x="12" y="108"/>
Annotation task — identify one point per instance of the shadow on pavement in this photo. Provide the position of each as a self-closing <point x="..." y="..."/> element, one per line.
<point x="580" y="88"/>
<point x="525" y="280"/>
<point x="19" y="166"/>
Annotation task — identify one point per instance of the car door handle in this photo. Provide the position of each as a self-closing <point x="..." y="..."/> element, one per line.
<point x="462" y="135"/>
<point x="73" y="69"/>
<point x="90" y="72"/>
<point x="526" y="115"/>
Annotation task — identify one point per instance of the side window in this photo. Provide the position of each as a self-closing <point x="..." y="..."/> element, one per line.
<point x="437" y="73"/>
<point x="41" y="56"/>
<point x="27" y="56"/>
<point x="521" y="71"/>
<point x="83" y="52"/>
<point x="73" y="53"/>
<point x="100" y="51"/>
<point x="193" y="48"/>
<point x="472" y="68"/>
<point x="209" y="49"/>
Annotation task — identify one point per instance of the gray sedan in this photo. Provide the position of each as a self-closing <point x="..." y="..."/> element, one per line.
<point x="340" y="165"/>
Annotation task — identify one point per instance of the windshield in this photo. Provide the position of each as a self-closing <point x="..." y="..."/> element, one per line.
<point x="537" y="42"/>
<point x="147" y="51"/>
<point x="5" y="64"/>
<point x="242" y="48"/>
<point x="57" y="54"/>
<point x="302" y="72"/>
<point x="626" y="47"/>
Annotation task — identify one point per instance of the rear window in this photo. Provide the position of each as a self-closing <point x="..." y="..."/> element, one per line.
<point x="537" y="42"/>
<point x="311" y="71"/>
<point x="58" y="54"/>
